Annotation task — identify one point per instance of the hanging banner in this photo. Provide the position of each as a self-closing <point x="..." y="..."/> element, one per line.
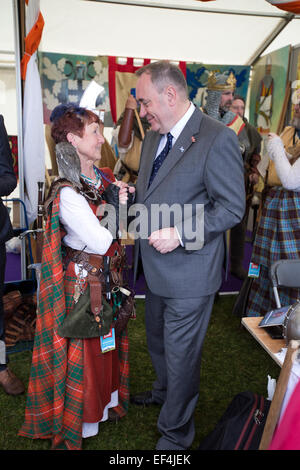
<point x="268" y="86"/>
<point x="65" y="77"/>
<point x="286" y="5"/>
<point x="122" y="78"/>
<point x="33" y="129"/>
<point x="197" y="76"/>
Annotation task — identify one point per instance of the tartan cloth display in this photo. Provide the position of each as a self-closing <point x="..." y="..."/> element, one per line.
<point x="54" y="406"/>
<point x="277" y="237"/>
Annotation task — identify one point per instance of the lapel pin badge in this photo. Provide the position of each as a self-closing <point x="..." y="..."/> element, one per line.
<point x="181" y="149"/>
<point x="193" y="139"/>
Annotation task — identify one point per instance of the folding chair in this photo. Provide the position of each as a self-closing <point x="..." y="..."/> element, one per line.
<point x="22" y="231"/>
<point x="284" y="272"/>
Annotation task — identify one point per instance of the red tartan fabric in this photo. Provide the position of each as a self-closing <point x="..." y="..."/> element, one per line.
<point x="54" y="399"/>
<point x="54" y="408"/>
<point x="129" y="67"/>
<point x="121" y="342"/>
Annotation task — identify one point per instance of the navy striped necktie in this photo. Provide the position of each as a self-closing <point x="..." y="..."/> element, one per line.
<point x="161" y="157"/>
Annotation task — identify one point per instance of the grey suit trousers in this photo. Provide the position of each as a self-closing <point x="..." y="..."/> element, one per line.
<point x="175" y="331"/>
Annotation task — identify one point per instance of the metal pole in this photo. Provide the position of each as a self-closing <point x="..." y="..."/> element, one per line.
<point x="276" y="31"/>
<point x="20" y="128"/>
<point x="195" y="8"/>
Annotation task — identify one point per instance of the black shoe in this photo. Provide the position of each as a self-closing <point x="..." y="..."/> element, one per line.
<point x="113" y="416"/>
<point x="144" y="399"/>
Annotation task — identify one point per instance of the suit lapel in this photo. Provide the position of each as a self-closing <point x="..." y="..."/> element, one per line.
<point x="147" y="163"/>
<point x="182" y="144"/>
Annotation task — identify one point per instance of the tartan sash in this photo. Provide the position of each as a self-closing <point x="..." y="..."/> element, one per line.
<point x="55" y="391"/>
<point x="54" y="407"/>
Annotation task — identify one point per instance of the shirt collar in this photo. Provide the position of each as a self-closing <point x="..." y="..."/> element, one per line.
<point x="179" y="126"/>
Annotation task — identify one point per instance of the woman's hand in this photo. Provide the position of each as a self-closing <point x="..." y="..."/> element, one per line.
<point x="124" y="189"/>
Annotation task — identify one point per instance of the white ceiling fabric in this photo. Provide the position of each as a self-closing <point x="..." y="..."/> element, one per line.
<point x="187" y="30"/>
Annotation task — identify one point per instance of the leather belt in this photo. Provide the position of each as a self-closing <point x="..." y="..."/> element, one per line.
<point x="92" y="263"/>
<point x="95" y="266"/>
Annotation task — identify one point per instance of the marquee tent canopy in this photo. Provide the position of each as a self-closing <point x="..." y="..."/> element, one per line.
<point x="233" y="32"/>
<point x="219" y="31"/>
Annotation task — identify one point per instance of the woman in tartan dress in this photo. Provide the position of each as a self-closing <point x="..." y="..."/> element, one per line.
<point x="278" y="233"/>
<point x="74" y="385"/>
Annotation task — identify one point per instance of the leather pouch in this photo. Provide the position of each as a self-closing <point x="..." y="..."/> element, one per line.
<point x="81" y="323"/>
<point x="123" y="307"/>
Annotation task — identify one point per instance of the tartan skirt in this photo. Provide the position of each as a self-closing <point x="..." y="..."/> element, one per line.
<point x="56" y="401"/>
<point x="56" y="389"/>
<point x="277" y="237"/>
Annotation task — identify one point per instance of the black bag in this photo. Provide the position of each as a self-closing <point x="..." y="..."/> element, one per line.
<point x="241" y="427"/>
<point x="241" y="303"/>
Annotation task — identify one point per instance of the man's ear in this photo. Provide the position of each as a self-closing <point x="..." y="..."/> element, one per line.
<point x="171" y="95"/>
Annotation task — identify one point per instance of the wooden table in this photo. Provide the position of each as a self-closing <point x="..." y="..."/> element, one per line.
<point x="272" y="346"/>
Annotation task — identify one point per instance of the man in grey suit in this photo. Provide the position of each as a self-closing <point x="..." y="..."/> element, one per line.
<point x="200" y="182"/>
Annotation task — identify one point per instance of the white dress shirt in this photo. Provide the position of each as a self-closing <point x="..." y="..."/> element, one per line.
<point x="82" y="226"/>
<point x="176" y="130"/>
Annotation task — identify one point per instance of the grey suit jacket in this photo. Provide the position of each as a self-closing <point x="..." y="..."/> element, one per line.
<point x="204" y="170"/>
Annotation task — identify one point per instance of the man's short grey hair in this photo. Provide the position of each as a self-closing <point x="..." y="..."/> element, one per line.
<point x="164" y="73"/>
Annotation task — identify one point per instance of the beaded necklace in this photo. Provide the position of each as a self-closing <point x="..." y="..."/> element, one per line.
<point x="95" y="186"/>
<point x="96" y="182"/>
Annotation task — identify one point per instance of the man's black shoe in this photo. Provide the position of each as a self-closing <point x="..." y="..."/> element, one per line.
<point x="144" y="399"/>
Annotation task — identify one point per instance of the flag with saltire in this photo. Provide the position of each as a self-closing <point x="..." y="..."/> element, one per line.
<point x="286" y="5"/>
<point x="33" y="127"/>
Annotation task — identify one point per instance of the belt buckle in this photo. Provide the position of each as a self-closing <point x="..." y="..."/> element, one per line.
<point x="95" y="271"/>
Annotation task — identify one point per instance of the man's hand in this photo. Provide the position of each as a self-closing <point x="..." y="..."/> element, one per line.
<point x="164" y="240"/>
<point x="253" y="178"/>
<point x="131" y="102"/>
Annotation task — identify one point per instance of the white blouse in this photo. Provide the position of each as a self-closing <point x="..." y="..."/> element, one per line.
<point x="288" y="174"/>
<point x="82" y="226"/>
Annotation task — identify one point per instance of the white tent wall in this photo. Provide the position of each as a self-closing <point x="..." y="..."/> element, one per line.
<point x="90" y="27"/>
<point x="231" y="32"/>
<point x="187" y="30"/>
<point x="8" y="99"/>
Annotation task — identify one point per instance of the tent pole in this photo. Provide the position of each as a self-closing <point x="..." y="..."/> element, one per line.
<point x="196" y="8"/>
<point x="19" y="92"/>
<point x="273" y="35"/>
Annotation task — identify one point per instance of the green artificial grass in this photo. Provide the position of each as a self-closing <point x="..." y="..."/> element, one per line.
<point x="233" y="362"/>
